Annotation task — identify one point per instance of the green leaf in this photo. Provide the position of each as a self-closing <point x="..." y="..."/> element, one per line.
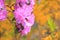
<point x="52" y="25"/>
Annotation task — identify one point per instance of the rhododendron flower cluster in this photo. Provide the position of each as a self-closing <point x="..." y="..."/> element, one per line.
<point x="24" y="15"/>
<point x="3" y="11"/>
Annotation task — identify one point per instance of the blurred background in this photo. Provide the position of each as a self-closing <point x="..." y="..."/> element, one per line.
<point x="46" y="26"/>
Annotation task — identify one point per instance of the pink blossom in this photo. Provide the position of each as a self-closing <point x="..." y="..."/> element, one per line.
<point x="24" y="15"/>
<point x="3" y="11"/>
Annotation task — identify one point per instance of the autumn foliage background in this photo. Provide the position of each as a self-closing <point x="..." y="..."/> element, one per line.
<point x="46" y="26"/>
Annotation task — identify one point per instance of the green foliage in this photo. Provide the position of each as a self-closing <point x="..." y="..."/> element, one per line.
<point x="52" y="25"/>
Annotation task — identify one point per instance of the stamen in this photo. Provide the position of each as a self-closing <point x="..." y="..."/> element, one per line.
<point x="28" y="3"/>
<point x="21" y="26"/>
<point x="20" y="4"/>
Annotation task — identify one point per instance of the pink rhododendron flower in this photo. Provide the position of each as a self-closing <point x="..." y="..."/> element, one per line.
<point x="24" y="15"/>
<point x="3" y="11"/>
